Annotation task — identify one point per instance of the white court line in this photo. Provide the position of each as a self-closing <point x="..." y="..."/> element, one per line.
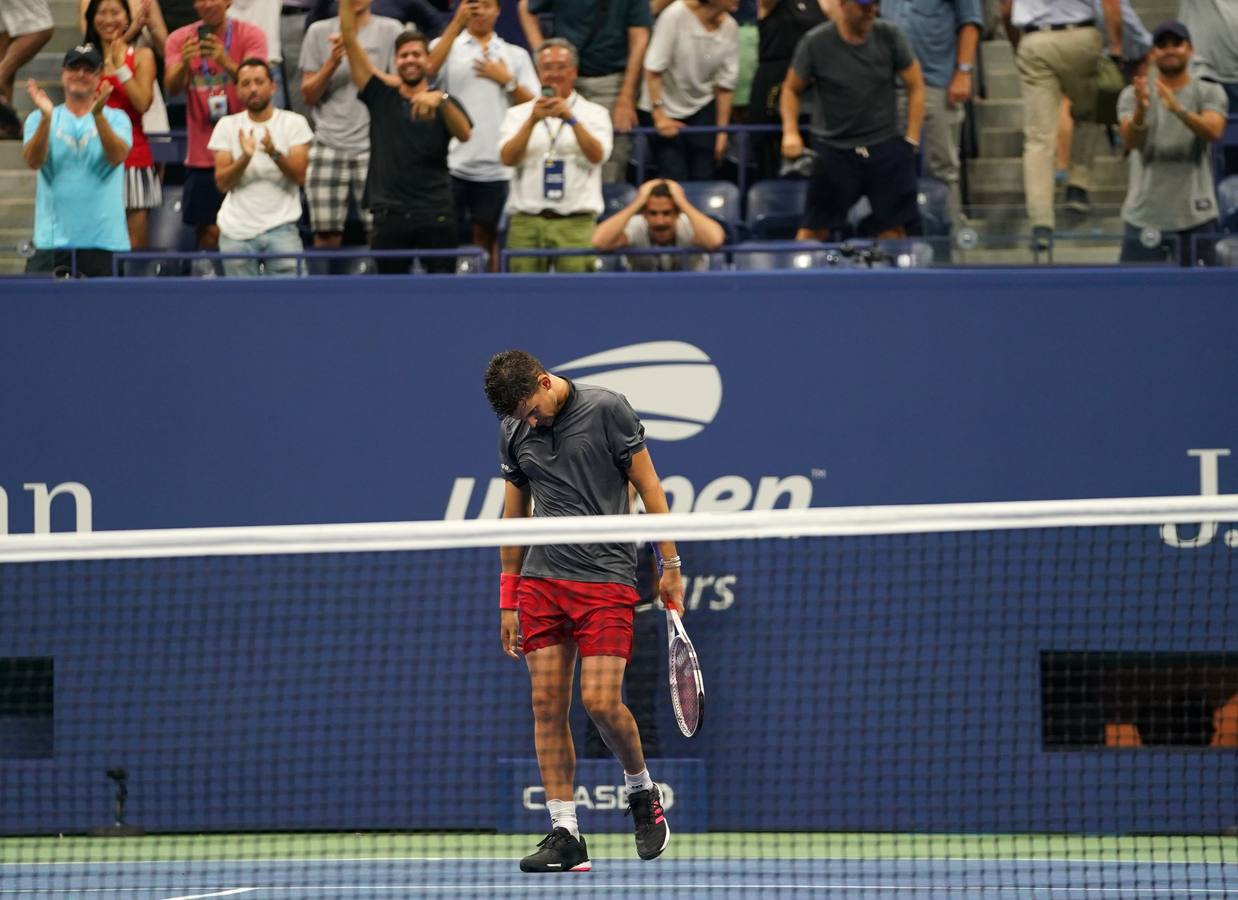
<point x="1069" y="861"/>
<point x="584" y="884"/>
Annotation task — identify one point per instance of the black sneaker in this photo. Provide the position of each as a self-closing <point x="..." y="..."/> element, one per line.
<point x="1077" y="200"/>
<point x="652" y="832"/>
<point x="1042" y="239"/>
<point x="558" y="852"/>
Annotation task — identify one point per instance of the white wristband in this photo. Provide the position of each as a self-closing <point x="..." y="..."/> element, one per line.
<point x="123" y="74"/>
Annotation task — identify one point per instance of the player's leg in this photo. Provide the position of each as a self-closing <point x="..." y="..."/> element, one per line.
<point x="550" y="673"/>
<point x="602" y="616"/>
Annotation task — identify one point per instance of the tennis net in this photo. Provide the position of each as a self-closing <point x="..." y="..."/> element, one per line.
<point x="998" y="698"/>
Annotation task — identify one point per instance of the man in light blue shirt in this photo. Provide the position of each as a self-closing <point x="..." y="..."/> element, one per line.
<point x="943" y="34"/>
<point x="79" y="150"/>
<point x="1058" y="44"/>
<point x="488" y="75"/>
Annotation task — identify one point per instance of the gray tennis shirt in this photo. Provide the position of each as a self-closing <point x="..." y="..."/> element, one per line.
<point x="577" y="466"/>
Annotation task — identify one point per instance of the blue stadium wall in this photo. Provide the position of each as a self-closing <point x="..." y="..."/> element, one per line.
<point x="369" y="693"/>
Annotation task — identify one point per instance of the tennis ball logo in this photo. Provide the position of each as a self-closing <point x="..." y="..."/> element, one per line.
<point x="673" y="386"/>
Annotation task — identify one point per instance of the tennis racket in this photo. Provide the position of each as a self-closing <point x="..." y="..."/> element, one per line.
<point x="684" y="671"/>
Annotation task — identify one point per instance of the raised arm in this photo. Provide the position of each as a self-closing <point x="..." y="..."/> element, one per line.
<point x="707" y="233"/>
<point x="358" y="60"/>
<point x="609" y="234"/>
<point x="645" y="479"/>
<point x="34" y="151"/>
<point x="442" y="47"/>
<point x="531" y="27"/>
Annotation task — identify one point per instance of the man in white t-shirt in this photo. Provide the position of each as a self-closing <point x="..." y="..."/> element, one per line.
<point x="488" y="76"/>
<point x="260" y="160"/>
<point x="660" y="216"/>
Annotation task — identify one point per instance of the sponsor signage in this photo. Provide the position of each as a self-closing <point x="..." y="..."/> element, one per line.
<point x="601" y="798"/>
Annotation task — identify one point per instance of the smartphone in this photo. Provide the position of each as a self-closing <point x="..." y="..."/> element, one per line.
<point x="204" y="31"/>
<point x="548" y="92"/>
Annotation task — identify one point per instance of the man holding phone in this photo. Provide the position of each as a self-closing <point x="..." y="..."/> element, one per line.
<point x="557" y="144"/>
<point x="202" y="60"/>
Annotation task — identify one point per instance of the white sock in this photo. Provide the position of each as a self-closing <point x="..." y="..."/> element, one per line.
<point x="638" y="782"/>
<point x="563" y="815"/>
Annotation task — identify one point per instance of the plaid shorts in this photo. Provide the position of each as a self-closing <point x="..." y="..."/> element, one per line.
<point x="18" y="17"/>
<point x="332" y="176"/>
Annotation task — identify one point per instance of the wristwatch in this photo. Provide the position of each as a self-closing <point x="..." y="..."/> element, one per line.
<point x="966" y="68"/>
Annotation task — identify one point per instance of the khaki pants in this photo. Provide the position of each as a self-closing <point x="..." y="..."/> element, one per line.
<point x="526" y="232"/>
<point x="604" y="91"/>
<point x="939" y="141"/>
<point x="1053" y="63"/>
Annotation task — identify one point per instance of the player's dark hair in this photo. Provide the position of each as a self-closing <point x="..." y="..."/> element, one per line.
<point x="254" y="62"/>
<point x="411" y="34"/>
<point x="511" y="377"/>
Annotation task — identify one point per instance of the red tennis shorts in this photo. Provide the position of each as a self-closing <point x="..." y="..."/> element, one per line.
<point x="598" y="617"/>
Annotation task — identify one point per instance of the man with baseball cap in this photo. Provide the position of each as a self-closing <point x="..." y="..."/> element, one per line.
<point x="853" y="61"/>
<point x="1169" y="122"/>
<point x="79" y="150"/>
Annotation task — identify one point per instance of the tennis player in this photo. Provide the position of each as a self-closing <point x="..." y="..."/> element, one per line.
<point x="571" y="450"/>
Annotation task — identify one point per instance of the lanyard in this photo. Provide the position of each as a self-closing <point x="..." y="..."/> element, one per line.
<point x="554" y="137"/>
<point x="206" y="72"/>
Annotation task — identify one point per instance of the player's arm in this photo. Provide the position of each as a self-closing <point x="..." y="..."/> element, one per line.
<point x="517" y="504"/>
<point x="358" y="60"/>
<point x="645" y="479"/>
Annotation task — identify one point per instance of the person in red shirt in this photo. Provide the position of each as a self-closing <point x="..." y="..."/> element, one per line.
<point x="202" y="59"/>
<point x="131" y="72"/>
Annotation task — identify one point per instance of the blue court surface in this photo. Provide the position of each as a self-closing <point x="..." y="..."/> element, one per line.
<point x="365" y="879"/>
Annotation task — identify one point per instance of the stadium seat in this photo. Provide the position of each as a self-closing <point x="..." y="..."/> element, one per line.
<point x="616" y="196"/>
<point x="1227" y="251"/>
<point x="775" y="207"/>
<point x="717" y="199"/>
<point x="751" y="257"/>
<point x="167" y="232"/>
<point x="1227" y="200"/>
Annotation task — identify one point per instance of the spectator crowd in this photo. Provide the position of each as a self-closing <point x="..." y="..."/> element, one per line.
<point x="425" y="129"/>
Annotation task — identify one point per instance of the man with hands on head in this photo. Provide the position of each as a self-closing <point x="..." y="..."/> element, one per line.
<point x="408" y="189"/>
<point x="557" y="144"/>
<point x="78" y="148"/>
<point x="202" y="59"/>
<point x="660" y="216"/>
<point x="1168" y="123"/>
<point x="260" y="160"/>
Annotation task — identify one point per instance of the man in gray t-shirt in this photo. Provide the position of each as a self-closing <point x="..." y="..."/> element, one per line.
<point x="853" y="61"/>
<point x="572" y="450"/>
<point x="340" y="156"/>
<point x="1169" y="121"/>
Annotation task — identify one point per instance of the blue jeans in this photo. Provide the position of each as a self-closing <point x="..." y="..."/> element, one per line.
<point x="280" y="239"/>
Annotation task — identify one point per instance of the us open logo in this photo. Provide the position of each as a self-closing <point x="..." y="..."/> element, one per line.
<point x="674" y="387"/>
